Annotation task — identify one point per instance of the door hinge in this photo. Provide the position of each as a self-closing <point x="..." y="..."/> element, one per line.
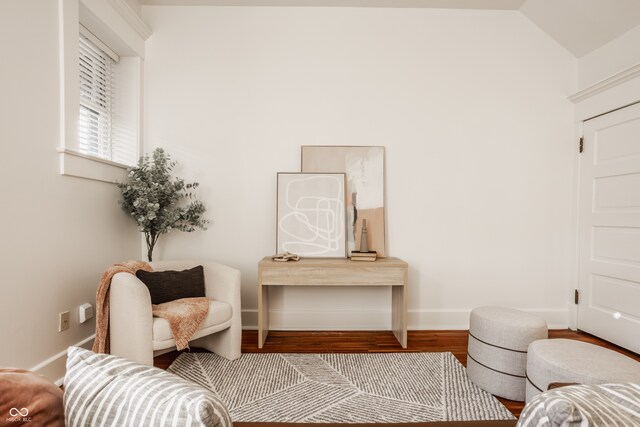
<point x="576" y="297"/>
<point x="581" y="144"/>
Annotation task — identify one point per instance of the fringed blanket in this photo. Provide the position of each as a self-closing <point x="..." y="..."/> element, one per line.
<point x="184" y="315"/>
<point x="101" y="344"/>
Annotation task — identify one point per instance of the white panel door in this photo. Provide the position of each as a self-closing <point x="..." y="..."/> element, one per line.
<point x="609" y="228"/>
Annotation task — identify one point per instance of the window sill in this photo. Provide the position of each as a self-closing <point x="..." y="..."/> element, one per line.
<point x="81" y="165"/>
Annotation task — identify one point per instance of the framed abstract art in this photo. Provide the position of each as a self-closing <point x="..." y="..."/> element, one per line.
<point x="365" y="194"/>
<point x="311" y="214"/>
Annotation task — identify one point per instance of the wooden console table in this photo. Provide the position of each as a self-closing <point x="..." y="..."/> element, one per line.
<point x="335" y="272"/>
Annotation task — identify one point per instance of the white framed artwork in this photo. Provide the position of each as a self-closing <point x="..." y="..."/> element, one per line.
<point x="311" y="214"/>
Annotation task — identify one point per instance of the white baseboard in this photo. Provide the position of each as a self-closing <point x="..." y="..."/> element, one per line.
<point x="55" y="366"/>
<point x="375" y="320"/>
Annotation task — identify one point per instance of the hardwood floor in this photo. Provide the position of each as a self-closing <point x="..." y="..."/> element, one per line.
<point x="376" y="342"/>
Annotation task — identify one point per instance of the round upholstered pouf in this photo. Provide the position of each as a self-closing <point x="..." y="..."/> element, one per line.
<point x="497" y="355"/>
<point x="571" y="361"/>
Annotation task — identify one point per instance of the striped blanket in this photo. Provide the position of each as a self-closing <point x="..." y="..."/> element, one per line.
<point x="105" y="390"/>
<point x="585" y="405"/>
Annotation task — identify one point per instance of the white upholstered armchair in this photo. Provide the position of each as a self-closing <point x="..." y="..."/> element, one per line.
<point x="138" y="336"/>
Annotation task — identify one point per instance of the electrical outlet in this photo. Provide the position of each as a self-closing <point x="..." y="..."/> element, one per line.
<point x="63" y="323"/>
<point x="85" y="312"/>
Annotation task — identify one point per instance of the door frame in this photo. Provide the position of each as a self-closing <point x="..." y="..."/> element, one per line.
<point x="574" y="283"/>
<point x="580" y="287"/>
<point x="617" y="91"/>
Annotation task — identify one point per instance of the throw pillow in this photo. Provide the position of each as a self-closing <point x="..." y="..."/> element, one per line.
<point x="170" y="285"/>
<point x="101" y="389"/>
<point x="29" y="399"/>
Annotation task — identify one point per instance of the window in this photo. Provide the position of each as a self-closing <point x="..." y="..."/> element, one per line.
<point x="96" y="93"/>
<point x="102" y="53"/>
<point x="98" y="130"/>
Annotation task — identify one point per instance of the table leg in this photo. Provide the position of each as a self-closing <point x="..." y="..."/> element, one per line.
<point x="399" y="314"/>
<point x="263" y="314"/>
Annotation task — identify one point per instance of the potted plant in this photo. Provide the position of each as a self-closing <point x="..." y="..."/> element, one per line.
<point x="159" y="203"/>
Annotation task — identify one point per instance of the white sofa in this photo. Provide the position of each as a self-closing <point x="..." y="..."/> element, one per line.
<point x="138" y="336"/>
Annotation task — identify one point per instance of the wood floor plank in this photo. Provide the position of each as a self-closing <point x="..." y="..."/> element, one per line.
<point x="377" y="342"/>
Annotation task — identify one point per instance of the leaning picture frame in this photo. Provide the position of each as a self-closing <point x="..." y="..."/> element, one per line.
<point x="311" y="214"/>
<point x="364" y="167"/>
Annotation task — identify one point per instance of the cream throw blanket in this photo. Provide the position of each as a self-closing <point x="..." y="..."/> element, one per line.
<point x="184" y="315"/>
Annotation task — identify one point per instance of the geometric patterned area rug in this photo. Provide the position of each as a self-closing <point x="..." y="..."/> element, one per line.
<point x="342" y="388"/>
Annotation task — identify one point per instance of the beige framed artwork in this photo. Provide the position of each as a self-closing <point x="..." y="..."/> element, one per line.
<point x="364" y="169"/>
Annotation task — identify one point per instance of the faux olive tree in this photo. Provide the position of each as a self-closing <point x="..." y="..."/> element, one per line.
<point x="159" y="203"/>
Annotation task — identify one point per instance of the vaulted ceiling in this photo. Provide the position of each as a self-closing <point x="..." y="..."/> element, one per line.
<point x="581" y="26"/>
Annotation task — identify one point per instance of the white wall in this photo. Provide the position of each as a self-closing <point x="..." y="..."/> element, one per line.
<point x="59" y="233"/>
<point x="617" y="55"/>
<point x="471" y="106"/>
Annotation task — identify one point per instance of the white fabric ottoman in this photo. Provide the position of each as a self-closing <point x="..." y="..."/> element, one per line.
<point x="497" y="355"/>
<point x="570" y="361"/>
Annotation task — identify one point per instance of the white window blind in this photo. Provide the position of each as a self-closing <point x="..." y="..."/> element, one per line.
<point x="98" y="131"/>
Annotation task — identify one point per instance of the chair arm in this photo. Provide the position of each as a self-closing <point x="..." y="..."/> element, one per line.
<point x="131" y="321"/>
<point x="222" y="283"/>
